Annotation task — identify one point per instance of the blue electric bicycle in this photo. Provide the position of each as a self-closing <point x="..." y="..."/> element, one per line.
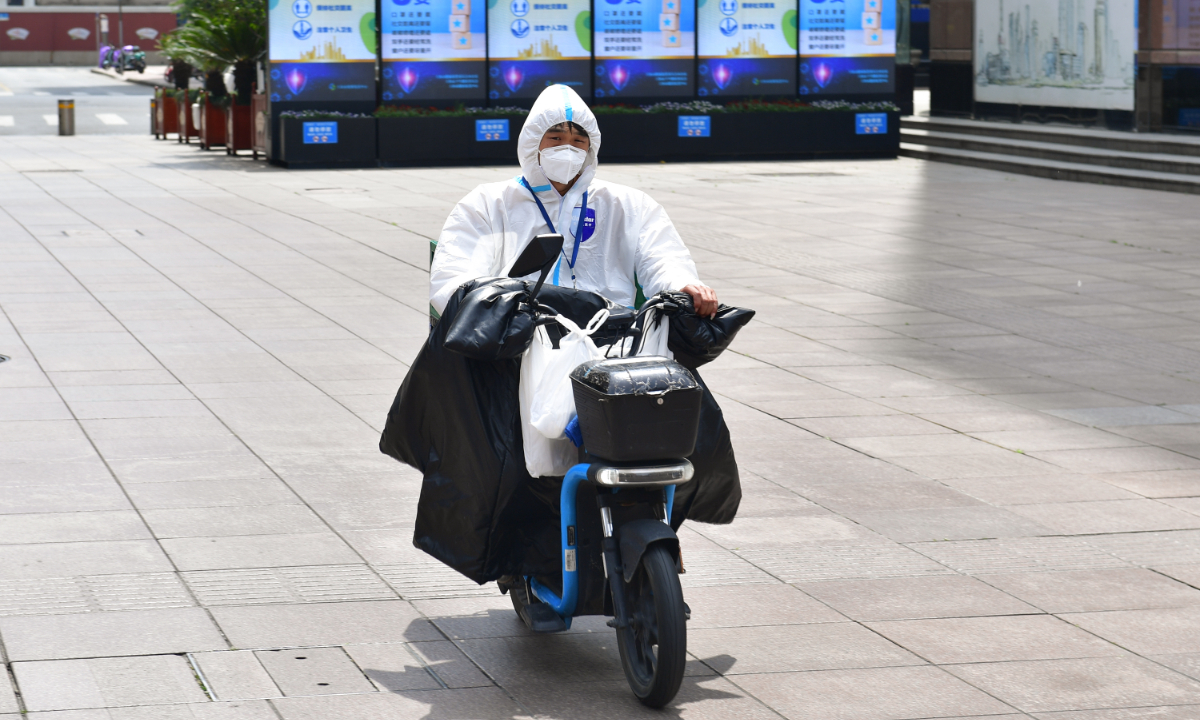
<point x="637" y="422"/>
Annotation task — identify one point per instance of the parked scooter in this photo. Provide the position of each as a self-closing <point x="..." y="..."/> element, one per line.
<point x="130" y="57"/>
<point x="637" y="421"/>
<point x="106" y="56"/>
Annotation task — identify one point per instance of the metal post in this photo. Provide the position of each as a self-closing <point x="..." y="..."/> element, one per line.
<point x="66" y="117"/>
<point x="120" y="23"/>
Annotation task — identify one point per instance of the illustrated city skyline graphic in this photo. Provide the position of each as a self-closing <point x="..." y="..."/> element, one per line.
<point x="1079" y="50"/>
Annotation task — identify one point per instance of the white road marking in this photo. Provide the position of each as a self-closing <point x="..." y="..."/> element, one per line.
<point x="111" y="119"/>
<point x="51" y="120"/>
<point x="40" y="92"/>
<point x="6" y="121"/>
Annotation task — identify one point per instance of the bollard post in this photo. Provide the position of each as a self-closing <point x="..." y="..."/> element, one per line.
<point x="66" y="117"/>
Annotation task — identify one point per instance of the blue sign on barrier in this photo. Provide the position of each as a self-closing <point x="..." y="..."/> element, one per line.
<point x="491" y="130"/>
<point x="870" y="124"/>
<point x="320" y="133"/>
<point x="695" y="126"/>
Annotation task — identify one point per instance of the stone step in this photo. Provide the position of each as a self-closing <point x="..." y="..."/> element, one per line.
<point x="1153" y="162"/>
<point x="1054" y="169"/>
<point x="1155" y="143"/>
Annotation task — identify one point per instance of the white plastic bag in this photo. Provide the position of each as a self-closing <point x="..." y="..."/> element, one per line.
<point x="547" y="400"/>
<point x="654" y="339"/>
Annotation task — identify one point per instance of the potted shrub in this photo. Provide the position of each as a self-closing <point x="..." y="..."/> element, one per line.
<point x="185" y="121"/>
<point x="166" y="115"/>
<point x="311" y="138"/>
<point x="461" y="136"/>
<point x="212" y="120"/>
<point x="748" y="130"/>
<point x="221" y="34"/>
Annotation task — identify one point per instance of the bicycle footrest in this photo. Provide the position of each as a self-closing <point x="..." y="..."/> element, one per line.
<point x="541" y="618"/>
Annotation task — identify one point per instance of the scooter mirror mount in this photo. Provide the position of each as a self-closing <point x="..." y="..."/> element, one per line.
<point x="538" y="255"/>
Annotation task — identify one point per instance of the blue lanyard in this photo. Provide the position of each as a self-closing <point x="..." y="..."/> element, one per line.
<point x="578" y="228"/>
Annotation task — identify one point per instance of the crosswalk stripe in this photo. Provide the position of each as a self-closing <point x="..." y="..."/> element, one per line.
<point x="111" y="119"/>
<point x="51" y="120"/>
<point x="6" y="121"/>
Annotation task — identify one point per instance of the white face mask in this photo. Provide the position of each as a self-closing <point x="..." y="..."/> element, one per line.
<point x="562" y="162"/>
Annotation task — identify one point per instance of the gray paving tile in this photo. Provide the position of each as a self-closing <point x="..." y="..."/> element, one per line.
<point x="256" y="551"/>
<point x="480" y="703"/>
<point x="313" y="671"/>
<point x="35" y="528"/>
<point x="871" y="694"/>
<point x="8" y="701"/>
<point x="134" y="632"/>
<point x="1123" y="416"/>
<point x="65" y="559"/>
<point x="994" y="639"/>
<point x="239" y="710"/>
<point x="394" y="667"/>
<point x="232" y="520"/>
<point x="569" y="658"/>
<point x="1095" y="590"/>
<point x="1176" y="712"/>
<point x="39" y="497"/>
<point x="210" y="493"/>
<point x="281" y="626"/>
<point x="107" y="682"/>
<point x="798" y="647"/>
<point x="914" y="598"/>
<point x="235" y="675"/>
<point x="699" y="698"/>
<point x="1080" y="684"/>
<point x="960" y="523"/>
<point x="1158" y="631"/>
<point x="1109" y="516"/>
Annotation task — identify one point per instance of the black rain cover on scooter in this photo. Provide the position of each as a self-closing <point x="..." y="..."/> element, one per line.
<point x="457" y="419"/>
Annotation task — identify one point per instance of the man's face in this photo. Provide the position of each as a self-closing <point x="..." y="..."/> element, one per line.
<point x="564" y="135"/>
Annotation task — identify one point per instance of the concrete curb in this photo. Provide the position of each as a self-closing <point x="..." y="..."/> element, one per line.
<point x="138" y="79"/>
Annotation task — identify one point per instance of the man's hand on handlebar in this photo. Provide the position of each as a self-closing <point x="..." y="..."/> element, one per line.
<point x="704" y="299"/>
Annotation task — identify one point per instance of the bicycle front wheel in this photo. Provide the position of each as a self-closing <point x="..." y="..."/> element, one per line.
<point x="654" y="645"/>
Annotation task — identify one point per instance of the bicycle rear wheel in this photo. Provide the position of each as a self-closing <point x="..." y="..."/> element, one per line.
<point x="654" y="645"/>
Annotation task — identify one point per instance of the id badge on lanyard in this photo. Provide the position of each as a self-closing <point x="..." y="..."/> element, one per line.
<point x="578" y="231"/>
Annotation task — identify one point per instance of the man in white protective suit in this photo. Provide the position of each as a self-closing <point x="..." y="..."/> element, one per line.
<point x="615" y="237"/>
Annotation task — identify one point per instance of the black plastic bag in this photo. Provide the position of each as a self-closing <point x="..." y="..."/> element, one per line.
<point x="457" y="420"/>
<point x="494" y="320"/>
<point x="696" y="340"/>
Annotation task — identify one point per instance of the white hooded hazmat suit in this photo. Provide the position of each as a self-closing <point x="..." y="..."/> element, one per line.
<point x="626" y="235"/>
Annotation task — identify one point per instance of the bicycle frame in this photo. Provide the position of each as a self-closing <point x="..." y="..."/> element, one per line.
<point x="564" y="606"/>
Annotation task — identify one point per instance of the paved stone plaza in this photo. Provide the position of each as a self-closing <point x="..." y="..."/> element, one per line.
<point x="967" y="416"/>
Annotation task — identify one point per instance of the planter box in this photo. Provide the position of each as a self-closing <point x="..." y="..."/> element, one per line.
<point x="258" y="114"/>
<point x="650" y="138"/>
<point x="166" y="115"/>
<point x="746" y="136"/>
<point x="186" y="125"/>
<point x="351" y="144"/>
<point x="239" y="130"/>
<point x="212" y="125"/>
<point x="444" y="141"/>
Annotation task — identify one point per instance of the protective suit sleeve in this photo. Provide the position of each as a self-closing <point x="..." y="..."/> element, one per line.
<point x="662" y="260"/>
<point x="468" y="248"/>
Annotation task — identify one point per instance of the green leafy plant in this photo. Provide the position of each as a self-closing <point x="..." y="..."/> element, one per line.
<point x="320" y="115"/>
<point x="391" y="111"/>
<point x="219" y="34"/>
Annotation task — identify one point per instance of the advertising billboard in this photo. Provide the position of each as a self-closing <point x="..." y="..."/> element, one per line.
<point x="1061" y="53"/>
<point x="535" y="43"/>
<point x="847" y="47"/>
<point x="645" y="48"/>
<point x="322" y="50"/>
<point x="747" y="48"/>
<point x="434" y="50"/>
